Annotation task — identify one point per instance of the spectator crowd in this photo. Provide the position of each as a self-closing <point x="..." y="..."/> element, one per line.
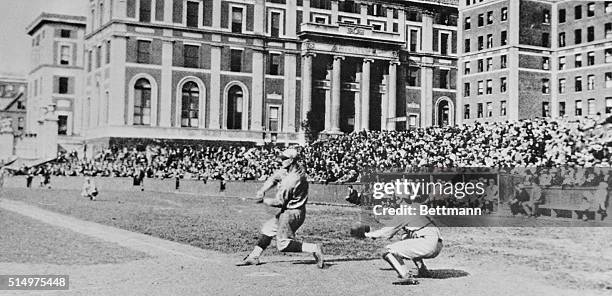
<point x="345" y="158"/>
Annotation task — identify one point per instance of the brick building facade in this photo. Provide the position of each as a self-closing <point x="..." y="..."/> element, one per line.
<point x="534" y="58"/>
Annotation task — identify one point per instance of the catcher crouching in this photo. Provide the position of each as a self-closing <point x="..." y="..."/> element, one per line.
<point x="421" y="239"/>
<point x="291" y="199"/>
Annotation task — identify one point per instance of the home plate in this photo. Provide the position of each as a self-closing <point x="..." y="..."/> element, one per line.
<point x="263" y="274"/>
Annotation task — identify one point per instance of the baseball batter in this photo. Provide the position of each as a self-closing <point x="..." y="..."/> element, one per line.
<point x="291" y="200"/>
<point x="420" y="240"/>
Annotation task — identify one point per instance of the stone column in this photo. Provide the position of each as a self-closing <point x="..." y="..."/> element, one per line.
<point x="402" y="24"/>
<point x="427" y="32"/>
<point x="306" y="84"/>
<point x="258" y="93"/>
<point x="365" y="93"/>
<point x="289" y="97"/>
<point x="328" y="102"/>
<point x="390" y="20"/>
<point x="427" y="94"/>
<point x="166" y="97"/>
<point x="334" y="12"/>
<point x="363" y="16"/>
<point x="336" y="93"/>
<point x="116" y="102"/>
<point x="384" y="104"/>
<point x="305" y="11"/>
<point x="215" y="87"/>
<point x="392" y="94"/>
<point x="357" y="103"/>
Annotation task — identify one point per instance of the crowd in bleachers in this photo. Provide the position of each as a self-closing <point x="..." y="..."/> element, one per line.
<point x="527" y="143"/>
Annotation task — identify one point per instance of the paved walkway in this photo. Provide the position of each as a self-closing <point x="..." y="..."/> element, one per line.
<point x="178" y="269"/>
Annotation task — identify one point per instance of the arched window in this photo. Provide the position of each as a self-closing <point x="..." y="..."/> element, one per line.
<point x="142" y="102"/>
<point x="190" y="103"/>
<point x="235" y="99"/>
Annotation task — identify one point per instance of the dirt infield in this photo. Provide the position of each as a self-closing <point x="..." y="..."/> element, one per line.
<point x="475" y="261"/>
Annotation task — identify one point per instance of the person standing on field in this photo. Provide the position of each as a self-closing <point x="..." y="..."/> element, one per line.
<point x="290" y="199"/>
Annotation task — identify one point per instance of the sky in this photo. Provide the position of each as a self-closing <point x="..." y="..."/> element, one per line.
<point x="15" y="15"/>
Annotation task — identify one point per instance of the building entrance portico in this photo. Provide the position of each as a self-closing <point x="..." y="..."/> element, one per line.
<point x="351" y="88"/>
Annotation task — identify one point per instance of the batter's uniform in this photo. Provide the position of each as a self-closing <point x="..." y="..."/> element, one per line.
<point x="291" y="198"/>
<point x="426" y="243"/>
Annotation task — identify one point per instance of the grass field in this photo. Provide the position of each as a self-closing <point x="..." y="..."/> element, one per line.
<point x="24" y="240"/>
<point x="572" y="257"/>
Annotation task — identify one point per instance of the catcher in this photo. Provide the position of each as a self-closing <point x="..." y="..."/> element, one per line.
<point x="290" y="199"/>
<point x="420" y="240"/>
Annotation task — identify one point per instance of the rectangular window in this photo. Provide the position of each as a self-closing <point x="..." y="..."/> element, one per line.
<point x="466" y="89"/>
<point x="62" y="85"/>
<point x="503" y="61"/>
<point x="591" y="107"/>
<point x="480" y="87"/>
<point x="191" y="56"/>
<point x="237" y="20"/>
<point x="444" y="78"/>
<point x="608" y="30"/>
<point x="466" y="46"/>
<point x="414" y="40"/>
<point x="608" y="55"/>
<point x="489" y="40"/>
<point x="608" y="8"/>
<point x="480" y="42"/>
<point x="578" y="12"/>
<point x="444" y="41"/>
<point x="591" y="9"/>
<point x="546" y="63"/>
<point x="608" y="105"/>
<point x="608" y="79"/>
<point x="545" y="109"/>
<point x="108" y="52"/>
<point x="236" y="60"/>
<point x="159" y="10"/>
<point x="561" y="108"/>
<point x="562" y="39"/>
<point x="591" y="58"/>
<point x="145" y="11"/>
<point x="578" y="84"/>
<point x="413" y="74"/>
<point x="467" y="23"/>
<point x="193" y="14"/>
<point x="489" y="109"/>
<point x="545" y="86"/>
<point x="562" y="85"/>
<point x="274" y="64"/>
<point x="480" y="66"/>
<point x="466" y="68"/>
<point x="489" y="87"/>
<point x="503" y="84"/>
<point x="561" y="16"/>
<point x="65" y="55"/>
<point x="64" y="33"/>
<point x="466" y="111"/>
<point x="546" y="16"/>
<point x="480" y="111"/>
<point x="275" y="24"/>
<point x="504" y="14"/>
<point x="489" y="64"/>
<point x="481" y="20"/>
<point x="89" y="60"/>
<point x="489" y="17"/>
<point x="502" y="108"/>
<point x="561" y="63"/>
<point x="590" y="34"/>
<point x="144" y="52"/>
<point x="504" y="38"/>
<point x="273" y="119"/>
<point x="545" y="39"/>
<point x="578" y="60"/>
<point x="578" y="108"/>
<point x="99" y="56"/>
<point x="62" y="125"/>
<point x="577" y="36"/>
